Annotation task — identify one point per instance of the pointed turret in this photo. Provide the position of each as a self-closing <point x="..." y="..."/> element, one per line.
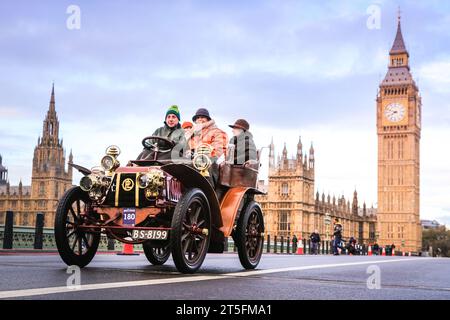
<point x="355" y="203"/>
<point x="398" y="55"/>
<point x="3" y="173"/>
<point x="50" y="130"/>
<point x="311" y="156"/>
<point x="52" y="99"/>
<point x="398" y="46"/>
<point x="299" y="149"/>
<point x="271" y="155"/>
<point x="284" y="152"/>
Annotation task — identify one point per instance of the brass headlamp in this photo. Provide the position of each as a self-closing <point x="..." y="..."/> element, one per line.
<point x="109" y="162"/>
<point x="151" y="181"/>
<point x="95" y="183"/>
<point x="202" y="159"/>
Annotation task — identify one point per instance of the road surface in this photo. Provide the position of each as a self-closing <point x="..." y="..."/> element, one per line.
<point x="278" y="277"/>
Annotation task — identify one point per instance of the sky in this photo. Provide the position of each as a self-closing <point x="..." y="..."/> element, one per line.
<point x="291" y="68"/>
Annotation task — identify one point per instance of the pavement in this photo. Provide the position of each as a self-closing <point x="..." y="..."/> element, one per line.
<point x="278" y="277"/>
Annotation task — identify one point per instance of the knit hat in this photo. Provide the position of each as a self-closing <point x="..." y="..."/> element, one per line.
<point x="187" y="124"/>
<point x="240" y="124"/>
<point x="173" y="110"/>
<point x="202" y="112"/>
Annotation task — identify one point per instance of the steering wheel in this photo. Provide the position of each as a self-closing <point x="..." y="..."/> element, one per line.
<point x="155" y="146"/>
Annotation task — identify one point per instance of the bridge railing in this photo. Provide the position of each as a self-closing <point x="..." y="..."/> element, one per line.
<point x="25" y="237"/>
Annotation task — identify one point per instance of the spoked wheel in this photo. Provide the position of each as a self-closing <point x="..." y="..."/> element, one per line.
<point x="249" y="236"/>
<point x="75" y="246"/>
<point x="191" y="224"/>
<point x="156" y="256"/>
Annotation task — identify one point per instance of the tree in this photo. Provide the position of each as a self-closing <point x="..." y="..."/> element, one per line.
<point x="436" y="238"/>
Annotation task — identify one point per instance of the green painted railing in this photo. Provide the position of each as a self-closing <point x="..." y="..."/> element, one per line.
<point x="23" y="238"/>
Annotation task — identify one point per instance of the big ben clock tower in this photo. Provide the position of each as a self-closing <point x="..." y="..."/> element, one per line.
<point x="398" y="127"/>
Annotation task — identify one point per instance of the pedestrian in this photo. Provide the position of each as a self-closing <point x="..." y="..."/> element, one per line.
<point x="351" y="246"/>
<point x="375" y="248"/>
<point x="315" y="241"/>
<point x="337" y="237"/>
<point x="294" y="243"/>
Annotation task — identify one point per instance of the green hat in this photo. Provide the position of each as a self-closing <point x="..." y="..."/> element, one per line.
<point x="173" y="110"/>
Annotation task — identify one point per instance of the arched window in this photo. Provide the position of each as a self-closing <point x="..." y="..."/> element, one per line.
<point x="284" y="223"/>
<point x="284" y="189"/>
<point x="56" y="190"/>
<point x="41" y="188"/>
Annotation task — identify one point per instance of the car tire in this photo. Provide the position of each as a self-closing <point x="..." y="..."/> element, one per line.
<point x="249" y="235"/>
<point x="156" y="256"/>
<point x="74" y="246"/>
<point x="189" y="248"/>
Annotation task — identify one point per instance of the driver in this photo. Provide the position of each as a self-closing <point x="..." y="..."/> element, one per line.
<point x="171" y="130"/>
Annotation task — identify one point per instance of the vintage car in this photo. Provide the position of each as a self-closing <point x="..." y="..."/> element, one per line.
<point x="168" y="206"/>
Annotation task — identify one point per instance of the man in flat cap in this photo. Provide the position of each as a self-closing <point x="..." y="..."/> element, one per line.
<point x="243" y="146"/>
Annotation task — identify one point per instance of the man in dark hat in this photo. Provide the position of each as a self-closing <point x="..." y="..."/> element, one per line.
<point x="242" y="144"/>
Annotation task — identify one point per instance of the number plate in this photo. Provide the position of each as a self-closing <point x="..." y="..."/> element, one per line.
<point x="150" y="234"/>
<point x="129" y="216"/>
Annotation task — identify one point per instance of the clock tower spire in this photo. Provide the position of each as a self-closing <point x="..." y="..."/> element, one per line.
<point x="398" y="128"/>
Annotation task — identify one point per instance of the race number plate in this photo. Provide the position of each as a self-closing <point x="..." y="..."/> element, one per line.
<point x="129" y="216"/>
<point x="150" y="234"/>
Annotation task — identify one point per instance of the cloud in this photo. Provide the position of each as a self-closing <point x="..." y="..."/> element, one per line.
<point x="290" y="67"/>
<point x="436" y="75"/>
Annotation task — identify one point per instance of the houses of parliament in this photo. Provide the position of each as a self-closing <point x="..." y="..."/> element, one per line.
<point x="49" y="178"/>
<point x="291" y="205"/>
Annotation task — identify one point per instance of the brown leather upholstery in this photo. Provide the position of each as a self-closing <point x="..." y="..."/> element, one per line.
<point x="232" y="175"/>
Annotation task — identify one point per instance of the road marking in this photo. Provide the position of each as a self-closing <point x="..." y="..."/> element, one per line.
<point x="183" y="279"/>
<point x="319" y="266"/>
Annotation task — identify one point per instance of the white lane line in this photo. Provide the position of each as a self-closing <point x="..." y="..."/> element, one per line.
<point x="319" y="266"/>
<point x="112" y="285"/>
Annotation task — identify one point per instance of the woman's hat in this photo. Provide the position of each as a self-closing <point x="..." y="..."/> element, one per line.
<point x="202" y="112"/>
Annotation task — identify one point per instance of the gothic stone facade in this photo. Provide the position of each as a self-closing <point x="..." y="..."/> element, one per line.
<point x="291" y="208"/>
<point x="49" y="178"/>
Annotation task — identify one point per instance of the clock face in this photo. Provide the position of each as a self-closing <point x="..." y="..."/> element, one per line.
<point x="394" y="112"/>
